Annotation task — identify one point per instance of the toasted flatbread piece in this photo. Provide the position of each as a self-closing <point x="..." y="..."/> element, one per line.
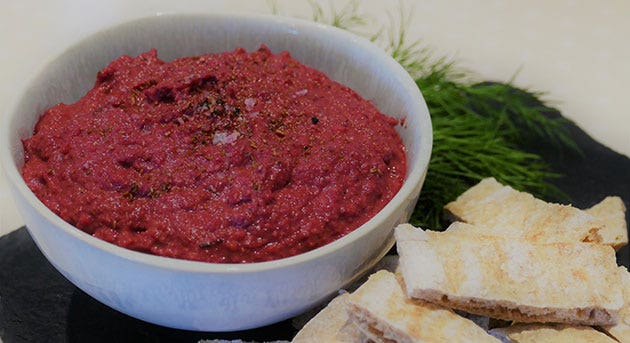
<point x="552" y="333"/>
<point x="612" y="212"/>
<point x="504" y="211"/>
<point x="621" y="331"/>
<point x="509" y="279"/>
<point x="381" y="310"/>
<point x="330" y="325"/>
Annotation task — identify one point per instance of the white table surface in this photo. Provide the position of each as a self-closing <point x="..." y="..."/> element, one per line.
<point x="575" y="51"/>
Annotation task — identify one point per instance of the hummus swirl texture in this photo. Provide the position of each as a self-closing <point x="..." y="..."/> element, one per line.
<point x="230" y="158"/>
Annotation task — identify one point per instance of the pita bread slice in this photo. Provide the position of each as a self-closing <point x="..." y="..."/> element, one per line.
<point x="511" y="280"/>
<point x="330" y="325"/>
<point x="612" y="212"/>
<point x="556" y="333"/>
<point x="503" y="211"/>
<point x="621" y="331"/>
<point x="382" y="311"/>
<point x="235" y="341"/>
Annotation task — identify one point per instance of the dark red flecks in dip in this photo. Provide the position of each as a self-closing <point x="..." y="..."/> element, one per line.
<point x="231" y="157"/>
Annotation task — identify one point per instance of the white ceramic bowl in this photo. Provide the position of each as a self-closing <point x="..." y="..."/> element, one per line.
<point x="205" y="296"/>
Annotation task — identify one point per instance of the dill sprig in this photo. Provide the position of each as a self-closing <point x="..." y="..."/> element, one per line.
<point x="519" y="113"/>
<point x="478" y="130"/>
<point x="466" y="149"/>
<point x="478" y="127"/>
<point x="412" y="56"/>
<point x="348" y="17"/>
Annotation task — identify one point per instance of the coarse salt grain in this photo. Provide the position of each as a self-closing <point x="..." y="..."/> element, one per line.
<point x="224" y="138"/>
<point x="250" y="103"/>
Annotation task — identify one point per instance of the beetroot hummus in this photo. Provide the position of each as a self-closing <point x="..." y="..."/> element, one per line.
<point x="231" y="157"/>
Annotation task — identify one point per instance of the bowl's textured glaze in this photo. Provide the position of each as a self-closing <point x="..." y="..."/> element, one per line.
<point x="205" y="296"/>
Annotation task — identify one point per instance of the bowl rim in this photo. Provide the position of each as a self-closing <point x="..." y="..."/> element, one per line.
<point x="415" y="175"/>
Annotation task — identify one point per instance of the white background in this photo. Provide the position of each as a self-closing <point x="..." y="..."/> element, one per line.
<point x="577" y="52"/>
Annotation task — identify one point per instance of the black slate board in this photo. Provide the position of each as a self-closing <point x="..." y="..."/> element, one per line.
<point x="38" y="304"/>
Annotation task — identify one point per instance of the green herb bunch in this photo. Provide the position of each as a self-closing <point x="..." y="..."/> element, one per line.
<point x="477" y="127"/>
